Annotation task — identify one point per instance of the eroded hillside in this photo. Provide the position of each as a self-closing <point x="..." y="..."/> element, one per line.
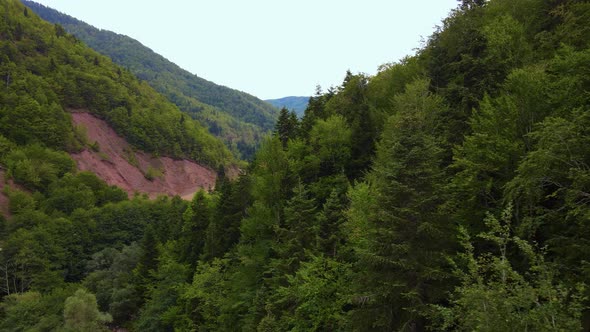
<point x="118" y="163"/>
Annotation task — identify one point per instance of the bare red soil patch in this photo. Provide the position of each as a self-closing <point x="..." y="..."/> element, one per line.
<point x="116" y="162"/>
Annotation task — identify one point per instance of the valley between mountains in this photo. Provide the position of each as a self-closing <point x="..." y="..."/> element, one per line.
<point x="450" y="191"/>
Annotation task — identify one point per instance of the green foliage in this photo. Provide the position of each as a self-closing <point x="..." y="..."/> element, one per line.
<point x="5" y="146"/>
<point x="489" y="119"/>
<point x="160" y="313"/>
<point x="406" y="236"/>
<point x="551" y="189"/>
<point x="81" y="313"/>
<point x="315" y="109"/>
<point x="270" y="187"/>
<point x="270" y="176"/>
<point x="110" y="278"/>
<point x="573" y="31"/>
<point x="153" y="173"/>
<point x="206" y="296"/>
<point x="319" y="288"/>
<point x="330" y="229"/>
<point x="148" y="262"/>
<point x="223" y="231"/>
<point x="34" y="118"/>
<point x="331" y="143"/>
<point x="21" y="311"/>
<point x="351" y="103"/>
<point x="488" y="157"/>
<point x="196" y="220"/>
<point x="36" y="167"/>
<point x="32" y="311"/>
<point x="363" y="202"/>
<point x="287" y="126"/>
<point x="47" y="73"/>
<point x="297" y="232"/>
<point x="392" y="79"/>
<point x="19" y="201"/>
<point x="496" y="297"/>
<point x="69" y="194"/>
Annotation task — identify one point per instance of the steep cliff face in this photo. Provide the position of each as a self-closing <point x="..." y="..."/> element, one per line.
<point x="116" y="162"/>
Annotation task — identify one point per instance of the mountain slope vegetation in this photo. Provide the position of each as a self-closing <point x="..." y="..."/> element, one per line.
<point x="297" y="104"/>
<point x="46" y="71"/>
<point x="58" y="217"/>
<point x="236" y="117"/>
<point x="449" y="192"/>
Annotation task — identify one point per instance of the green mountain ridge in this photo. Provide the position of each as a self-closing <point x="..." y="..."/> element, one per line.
<point x="238" y="118"/>
<point x="47" y="71"/>
<point x="292" y="103"/>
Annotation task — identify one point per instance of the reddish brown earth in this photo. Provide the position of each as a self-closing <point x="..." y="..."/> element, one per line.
<point x="112" y="163"/>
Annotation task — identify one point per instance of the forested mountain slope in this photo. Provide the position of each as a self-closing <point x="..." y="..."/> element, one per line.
<point x="58" y="217"/>
<point x="297" y="104"/>
<point x="240" y="119"/>
<point x="46" y="71"/>
<point x="449" y="192"/>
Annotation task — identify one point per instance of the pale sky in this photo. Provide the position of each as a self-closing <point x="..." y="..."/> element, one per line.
<point x="269" y="48"/>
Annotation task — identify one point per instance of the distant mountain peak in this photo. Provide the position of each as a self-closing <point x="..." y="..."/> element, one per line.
<point x="293" y="103"/>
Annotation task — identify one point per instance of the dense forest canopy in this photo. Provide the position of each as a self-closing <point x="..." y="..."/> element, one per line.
<point x="239" y="119"/>
<point x="451" y="191"/>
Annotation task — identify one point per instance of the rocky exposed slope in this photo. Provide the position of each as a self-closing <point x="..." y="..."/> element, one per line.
<point x="115" y="161"/>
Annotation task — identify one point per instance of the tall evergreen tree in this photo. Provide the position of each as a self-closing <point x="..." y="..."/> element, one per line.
<point x="407" y="237"/>
<point x="330" y="220"/>
<point x="298" y="233"/>
<point x="295" y="242"/>
<point x="223" y="232"/>
<point x="148" y="262"/>
<point x="351" y="103"/>
<point x="271" y="187"/>
<point x="315" y="110"/>
<point x="287" y="126"/>
<point x="196" y="220"/>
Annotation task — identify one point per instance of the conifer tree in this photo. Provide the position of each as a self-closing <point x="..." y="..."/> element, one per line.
<point x="314" y="110"/>
<point x="330" y="232"/>
<point x="271" y="187"/>
<point x="223" y="231"/>
<point x="287" y="126"/>
<point x="196" y="220"/>
<point x="351" y="103"/>
<point x="408" y="238"/>
<point x="299" y="231"/>
<point x="295" y="242"/>
<point x="148" y="261"/>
